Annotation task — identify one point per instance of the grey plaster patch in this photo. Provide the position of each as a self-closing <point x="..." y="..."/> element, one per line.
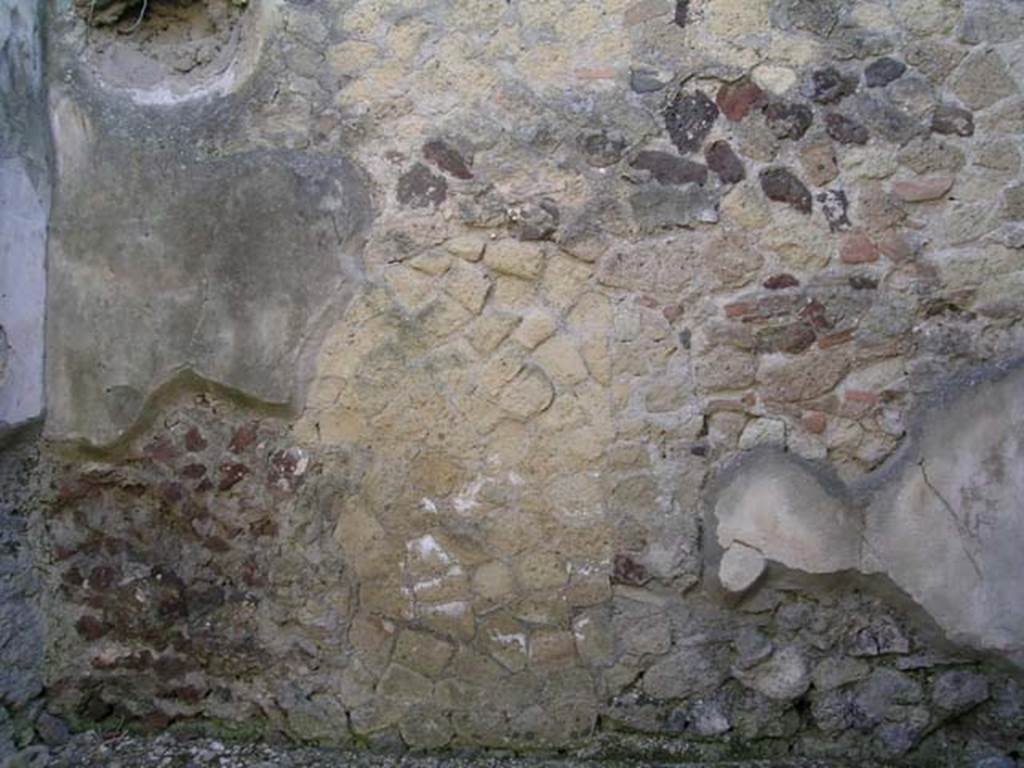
<point x="165" y="262"/>
<point x="941" y="520"/>
<point x="24" y="207"/>
<point x="23" y="214"/>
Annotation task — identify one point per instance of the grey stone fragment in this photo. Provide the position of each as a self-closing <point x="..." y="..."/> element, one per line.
<point x="878" y="638"/>
<point x="883" y="118"/>
<point x="689" y="671"/>
<point x="983" y="79"/>
<point x="817" y="16"/>
<point x="957" y="691"/>
<point x="845" y="130"/>
<point x="667" y="168"/>
<point x="996" y="762"/>
<point x="7" y="747"/>
<point x="752" y="647"/>
<point x="991" y="21"/>
<point x="835" y="672"/>
<point x="878" y="697"/>
<point x="1011" y="235"/>
<point x="645" y="81"/>
<point x="828" y="85"/>
<point x="952" y="120"/>
<point x="656" y="207"/>
<point x="535" y="220"/>
<point x="602" y="148"/>
<point x="784" y="676"/>
<point x="52" y="730"/>
<point x="898" y="738"/>
<point x="933" y="58"/>
<point x="927" y="155"/>
<point x="36" y="756"/>
<point x="1013" y="206"/>
<point x="707" y="717"/>
<point x="883" y="71"/>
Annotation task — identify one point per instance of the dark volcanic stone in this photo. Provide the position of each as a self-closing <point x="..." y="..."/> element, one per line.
<point x="536" y="221"/>
<point x="780" y="185"/>
<point x="736" y="100"/>
<point x="689" y="119"/>
<point x="844" y="130"/>
<point x="883" y="71"/>
<point x="419" y="187"/>
<point x="723" y="161"/>
<point x="626" y="570"/>
<point x="447" y="158"/>
<point x="788" y="120"/>
<point x="682" y="14"/>
<point x="829" y="85"/>
<point x="835" y="206"/>
<point x="666" y="168"/>
<point x="602" y="148"/>
<point x="863" y="282"/>
<point x="780" y="281"/>
<point x="952" y="121"/>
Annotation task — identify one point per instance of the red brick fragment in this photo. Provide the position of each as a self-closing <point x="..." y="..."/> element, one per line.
<point x="814" y="422"/>
<point x="858" y="248"/>
<point x="739" y="99"/>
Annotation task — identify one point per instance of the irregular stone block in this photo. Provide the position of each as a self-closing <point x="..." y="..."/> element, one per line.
<point x="883" y="71"/>
<point x="780" y="185"/>
<point x="688" y="120"/>
<point x="952" y="120"/>
<point x="722" y="160"/>
<point x="670" y="169"/>
<point x="788" y="120"/>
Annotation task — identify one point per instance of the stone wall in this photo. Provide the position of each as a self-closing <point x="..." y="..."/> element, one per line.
<point x="628" y="377"/>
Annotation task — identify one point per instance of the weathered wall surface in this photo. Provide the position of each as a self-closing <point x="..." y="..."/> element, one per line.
<point x="24" y="205"/>
<point x="621" y="375"/>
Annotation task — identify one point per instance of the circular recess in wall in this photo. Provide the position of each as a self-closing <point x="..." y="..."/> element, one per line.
<point x="165" y="51"/>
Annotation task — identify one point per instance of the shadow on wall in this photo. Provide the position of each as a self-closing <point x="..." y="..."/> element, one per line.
<point x="942" y="521"/>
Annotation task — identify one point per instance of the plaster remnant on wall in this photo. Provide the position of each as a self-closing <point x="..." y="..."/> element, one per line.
<point x="24" y="210"/>
<point x="943" y="522"/>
